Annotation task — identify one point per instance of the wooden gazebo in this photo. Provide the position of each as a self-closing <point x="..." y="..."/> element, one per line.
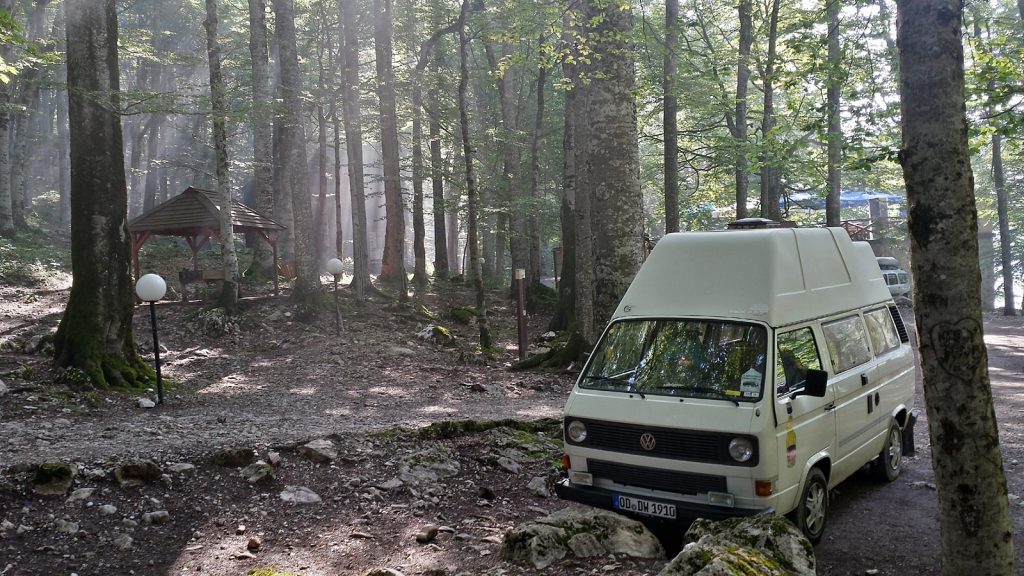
<point x="195" y="215"/>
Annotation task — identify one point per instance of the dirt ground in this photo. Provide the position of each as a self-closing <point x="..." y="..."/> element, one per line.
<point x="270" y="383"/>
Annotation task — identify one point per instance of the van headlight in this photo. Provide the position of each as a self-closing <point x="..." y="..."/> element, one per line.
<point x="577" y="431"/>
<point x="741" y="449"/>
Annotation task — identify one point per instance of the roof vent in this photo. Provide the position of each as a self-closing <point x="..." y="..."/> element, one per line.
<point x="752" y="224"/>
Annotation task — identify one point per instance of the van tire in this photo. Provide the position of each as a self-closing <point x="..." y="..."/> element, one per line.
<point x="889" y="464"/>
<point x="811" y="512"/>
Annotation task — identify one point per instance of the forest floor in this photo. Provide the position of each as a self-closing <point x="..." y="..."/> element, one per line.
<point x="270" y="383"/>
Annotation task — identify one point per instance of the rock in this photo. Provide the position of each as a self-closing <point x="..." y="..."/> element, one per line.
<point x="65" y="526"/>
<point x="137" y="473"/>
<point x="53" y="478"/>
<point x="437" y="335"/>
<point x="427" y="534"/>
<point x="6" y="525"/>
<point x="509" y="465"/>
<point x="390" y="484"/>
<point x="181" y="467"/>
<point x="321" y="451"/>
<point x="428" y="466"/>
<point x="477" y="387"/>
<point x="273" y="458"/>
<point x="400" y="351"/>
<point x="229" y="457"/>
<point x="383" y="572"/>
<point x="80" y="494"/>
<point x="156" y="518"/>
<point x="765" y="544"/>
<point x="108" y="509"/>
<point x="254" y="544"/>
<point x="257" y="472"/>
<point x="545" y="541"/>
<point x="299" y="495"/>
<point x="585" y="545"/>
<point x="3" y="389"/>
<point x="538" y="485"/>
<point x="549" y="335"/>
<point x="122" y="542"/>
<point x="244" y="555"/>
<point x="146" y="403"/>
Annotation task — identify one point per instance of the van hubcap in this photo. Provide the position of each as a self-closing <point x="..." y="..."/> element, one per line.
<point x="815" y="507"/>
<point x="895" y="455"/>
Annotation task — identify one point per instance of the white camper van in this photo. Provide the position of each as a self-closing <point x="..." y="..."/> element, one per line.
<point x="743" y="371"/>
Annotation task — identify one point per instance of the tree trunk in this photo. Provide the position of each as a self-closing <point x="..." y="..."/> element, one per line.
<point x="973" y="507"/>
<point x="565" y="313"/>
<point x="138" y="131"/>
<point x="354" y="144"/>
<point x="419" y="276"/>
<point x="581" y="201"/>
<point x="261" y="119"/>
<point x="339" y="236"/>
<point x="669" y="120"/>
<point x="295" y="184"/>
<point x="534" y="273"/>
<point x="441" y="264"/>
<point x="835" y="127"/>
<point x="6" y="201"/>
<point x="393" y="261"/>
<point x="95" y="333"/>
<point x="28" y="99"/>
<point x="64" y="185"/>
<point x="746" y="40"/>
<point x="320" y="220"/>
<point x="471" y="193"/>
<point x="229" y="288"/>
<point x="153" y="147"/>
<point x="770" y="177"/>
<point x="610" y="160"/>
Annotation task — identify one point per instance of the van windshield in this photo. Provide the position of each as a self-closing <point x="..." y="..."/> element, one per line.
<point x="685" y="358"/>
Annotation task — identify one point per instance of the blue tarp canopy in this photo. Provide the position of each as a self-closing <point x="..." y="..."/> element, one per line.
<point x="848" y="198"/>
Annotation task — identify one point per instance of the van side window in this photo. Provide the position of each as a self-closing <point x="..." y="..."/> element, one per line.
<point x="882" y="331"/>
<point x="847" y="343"/>
<point x="795" y="353"/>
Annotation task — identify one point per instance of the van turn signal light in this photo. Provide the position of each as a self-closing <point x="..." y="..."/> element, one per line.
<point x="763" y="487"/>
<point x="565" y="462"/>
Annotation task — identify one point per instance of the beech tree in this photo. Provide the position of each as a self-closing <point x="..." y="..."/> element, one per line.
<point x="974" y="512"/>
<point x="95" y="332"/>
<point x="393" y="262"/>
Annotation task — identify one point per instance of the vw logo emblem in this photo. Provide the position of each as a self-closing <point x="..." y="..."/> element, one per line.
<point x="647" y="441"/>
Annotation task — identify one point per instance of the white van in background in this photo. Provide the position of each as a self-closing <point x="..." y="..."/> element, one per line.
<point x="743" y="371"/>
<point x="896" y="278"/>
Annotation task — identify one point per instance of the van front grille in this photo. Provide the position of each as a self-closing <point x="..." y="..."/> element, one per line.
<point x="711" y="447"/>
<point x="657" y="479"/>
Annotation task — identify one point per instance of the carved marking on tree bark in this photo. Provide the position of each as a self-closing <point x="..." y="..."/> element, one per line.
<point x="958" y="346"/>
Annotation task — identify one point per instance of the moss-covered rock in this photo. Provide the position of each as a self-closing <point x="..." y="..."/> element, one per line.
<point x="53" y="478"/>
<point x="137" y="473"/>
<point x="462" y="314"/>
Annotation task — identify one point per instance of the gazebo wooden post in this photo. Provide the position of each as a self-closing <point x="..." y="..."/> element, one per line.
<point x="273" y="246"/>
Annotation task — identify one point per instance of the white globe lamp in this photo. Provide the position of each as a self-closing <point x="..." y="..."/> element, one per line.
<point x="151" y="288"/>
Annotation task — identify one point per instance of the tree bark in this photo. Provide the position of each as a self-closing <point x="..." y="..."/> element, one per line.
<point x="393" y="261"/>
<point x="770" y="177"/>
<point x="610" y="160"/>
<point x="580" y="197"/>
<point x="229" y="288"/>
<point x="28" y="99"/>
<point x="669" y="120"/>
<point x="564" y="317"/>
<point x="95" y="333"/>
<point x="746" y="40"/>
<point x="972" y="493"/>
<point x="471" y="192"/>
<point x="6" y="201"/>
<point x="354" y="144"/>
<point x="441" y="264"/>
<point x="153" y="146"/>
<point x="261" y="119"/>
<point x="835" y="128"/>
<point x="294" y="181"/>
<point x="534" y="273"/>
<point x="419" y="276"/>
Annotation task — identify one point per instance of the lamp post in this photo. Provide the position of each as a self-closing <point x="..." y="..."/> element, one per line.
<point x="335" y="267"/>
<point x="151" y="288"/>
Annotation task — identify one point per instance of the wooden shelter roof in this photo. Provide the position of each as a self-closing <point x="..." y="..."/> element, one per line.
<point x="195" y="210"/>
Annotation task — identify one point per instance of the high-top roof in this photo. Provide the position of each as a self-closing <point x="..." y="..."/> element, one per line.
<point x="196" y="209"/>
<point x="779" y="276"/>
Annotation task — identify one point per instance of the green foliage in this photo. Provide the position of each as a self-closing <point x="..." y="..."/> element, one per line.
<point x="31" y="258"/>
<point x="268" y="572"/>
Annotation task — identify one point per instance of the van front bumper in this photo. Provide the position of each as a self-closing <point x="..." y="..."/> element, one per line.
<point x="686" y="512"/>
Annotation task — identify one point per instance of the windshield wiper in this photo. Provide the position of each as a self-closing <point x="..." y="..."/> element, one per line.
<point x="631" y="386"/>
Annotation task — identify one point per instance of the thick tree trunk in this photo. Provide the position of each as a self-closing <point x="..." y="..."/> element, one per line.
<point x="354" y="144"/>
<point x="294" y="180"/>
<point x="261" y="119"/>
<point x="95" y="333"/>
<point x="565" y="314"/>
<point x="973" y="507"/>
<point x="669" y="120"/>
<point x="580" y="198"/>
<point x="835" y="127"/>
<point x="229" y="288"/>
<point x="467" y="152"/>
<point x="393" y="261"/>
<point x="746" y="40"/>
<point x="770" y="178"/>
<point x="611" y="160"/>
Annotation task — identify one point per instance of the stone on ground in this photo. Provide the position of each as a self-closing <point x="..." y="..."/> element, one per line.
<point x="299" y="495"/>
<point x="137" y="473"/>
<point x="53" y="478"/>
<point x="321" y="451"/>
<point x="766" y="544"/>
<point x="579" y="531"/>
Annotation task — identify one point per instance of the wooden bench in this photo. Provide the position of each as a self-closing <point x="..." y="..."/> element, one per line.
<point x="186" y="277"/>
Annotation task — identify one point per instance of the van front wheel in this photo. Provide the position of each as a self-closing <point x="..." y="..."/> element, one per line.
<point x="812" y="511"/>
<point x="889" y="464"/>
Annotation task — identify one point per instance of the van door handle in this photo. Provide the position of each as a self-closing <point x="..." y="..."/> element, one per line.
<point x="831" y="406"/>
<point x="863" y="379"/>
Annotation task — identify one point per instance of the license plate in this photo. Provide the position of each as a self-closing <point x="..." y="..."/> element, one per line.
<point x="645" y="507"/>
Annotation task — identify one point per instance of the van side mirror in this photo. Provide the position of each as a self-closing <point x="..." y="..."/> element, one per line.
<point x="814" y="383"/>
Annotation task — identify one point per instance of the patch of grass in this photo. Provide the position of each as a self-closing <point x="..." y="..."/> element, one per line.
<point x="31" y="258"/>
<point x="267" y="572"/>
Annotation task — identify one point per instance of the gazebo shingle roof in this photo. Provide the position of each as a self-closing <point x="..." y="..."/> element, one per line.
<point x="196" y="209"/>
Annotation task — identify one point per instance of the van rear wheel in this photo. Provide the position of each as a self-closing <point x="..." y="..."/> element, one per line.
<point x="889" y="464"/>
<point x="812" y="510"/>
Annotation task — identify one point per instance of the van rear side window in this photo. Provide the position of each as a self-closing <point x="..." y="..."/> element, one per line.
<point x="847" y="343"/>
<point x="882" y="331"/>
